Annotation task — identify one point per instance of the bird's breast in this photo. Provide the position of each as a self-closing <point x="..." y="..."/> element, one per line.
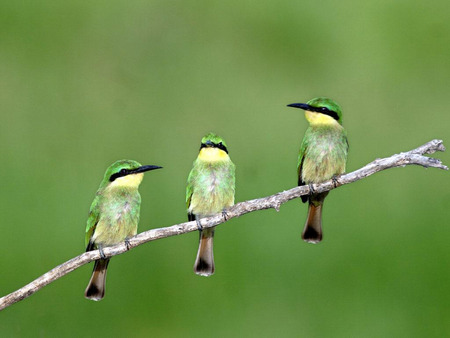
<point x="326" y="156"/>
<point x="213" y="191"/>
<point x="119" y="218"/>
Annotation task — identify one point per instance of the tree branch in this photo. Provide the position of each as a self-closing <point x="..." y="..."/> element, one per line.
<point x="414" y="156"/>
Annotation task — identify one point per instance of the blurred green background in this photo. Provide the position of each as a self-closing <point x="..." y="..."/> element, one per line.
<point x="83" y="84"/>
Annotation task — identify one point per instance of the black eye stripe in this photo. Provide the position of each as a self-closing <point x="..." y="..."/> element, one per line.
<point x="222" y="146"/>
<point x="325" y="111"/>
<point x="219" y="145"/>
<point x="121" y="173"/>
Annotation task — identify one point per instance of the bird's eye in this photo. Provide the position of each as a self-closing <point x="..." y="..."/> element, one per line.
<point x="324" y="109"/>
<point x="123" y="171"/>
<point x="220" y="144"/>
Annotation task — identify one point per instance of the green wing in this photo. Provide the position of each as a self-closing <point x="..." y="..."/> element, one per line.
<point x="94" y="215"/>
<point x="301" y="157"/>
<point x="189" y="192"/>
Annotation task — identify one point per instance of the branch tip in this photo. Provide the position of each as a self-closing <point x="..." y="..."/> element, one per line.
<point x="277" y="206"/>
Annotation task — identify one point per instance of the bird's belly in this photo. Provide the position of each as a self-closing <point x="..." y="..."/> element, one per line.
<point x="211" y="196"/>
<point x="322" y="162"/>
<point x="114" y="226"/>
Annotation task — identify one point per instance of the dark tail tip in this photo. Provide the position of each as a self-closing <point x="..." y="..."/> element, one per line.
<point x="203" y="267"/>
<point x="96" y="287"/>
<point x="204" y="263"/>
<point x="310" y="235"/>
<point x="94" y="293"/>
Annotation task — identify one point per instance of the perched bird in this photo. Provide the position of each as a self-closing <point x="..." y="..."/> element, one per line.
<point x="114" y="216"/>
<point x="323" y="155"/>
<point x="210" y="190"/>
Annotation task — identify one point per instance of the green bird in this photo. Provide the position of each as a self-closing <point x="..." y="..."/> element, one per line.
<point x="323" y="155"/>
<point x="210" y="190"/>
<point x="114" y="216"/>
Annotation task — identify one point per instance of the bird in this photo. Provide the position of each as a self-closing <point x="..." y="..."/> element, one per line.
<point x="113" y="216"/>
<point x="210" y="190"/>
<point x="322" y="156"/>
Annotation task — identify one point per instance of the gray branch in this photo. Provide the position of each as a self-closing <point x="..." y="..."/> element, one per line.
<point x="414" y="156"/>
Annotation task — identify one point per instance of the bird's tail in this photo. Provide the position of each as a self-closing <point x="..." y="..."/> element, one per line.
<point x="204" y="263"/>
<point x="96" y="287"/>
<point x="312" y="233"/>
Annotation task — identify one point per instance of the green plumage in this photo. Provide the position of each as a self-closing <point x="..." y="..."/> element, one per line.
<point x="114" y="216"/>
<point x="210" y="190"/>
<point x="114" y="213"/>
<point x="323" y="155"/>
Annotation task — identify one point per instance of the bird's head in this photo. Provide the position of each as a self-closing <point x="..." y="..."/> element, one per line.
<point x="320" y="110"/>
<point x="213" y="148"/>
<point x="127" y="173"/>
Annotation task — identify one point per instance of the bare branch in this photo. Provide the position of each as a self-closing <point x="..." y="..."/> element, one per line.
<point x="414" y="156"/>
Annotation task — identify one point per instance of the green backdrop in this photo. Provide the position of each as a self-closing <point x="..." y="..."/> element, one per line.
<point x="83" y="84"/>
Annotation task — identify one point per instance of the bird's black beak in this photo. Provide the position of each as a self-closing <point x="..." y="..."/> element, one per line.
<point x="144" y="168"/>
<point x="303" y="106"/>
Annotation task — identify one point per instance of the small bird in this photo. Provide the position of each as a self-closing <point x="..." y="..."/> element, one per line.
<point x="323" y="155"/>
<point x="113" y="217"/>
<point x="210" y="190"/>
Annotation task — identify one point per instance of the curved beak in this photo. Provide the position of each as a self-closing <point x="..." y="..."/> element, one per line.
<point x="303" y="106"/>
<point x="145" y="168"/>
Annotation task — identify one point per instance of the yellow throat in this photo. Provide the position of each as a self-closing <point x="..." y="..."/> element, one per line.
<point x="212" y="155"/>
<point x="319" y="119"/>
<point x="129" y="181"/>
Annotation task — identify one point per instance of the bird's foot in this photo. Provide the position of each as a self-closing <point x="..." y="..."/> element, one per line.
<point x="102" y="253"/>
<point x="225" y="215"/>
<point x="335" y="181"/>
<point x="127" y="243"/>
<point x="311" y="189"/>
<point x="199" y="226"/>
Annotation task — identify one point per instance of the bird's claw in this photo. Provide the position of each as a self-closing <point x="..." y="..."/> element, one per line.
<point x="102" y="254"/>
<point x="335" y="181"/>
<point x="311" y="189"/>
<point x="127" y="244"/>
<point x="199" y="226"/>
<point x="224" y="215"/>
